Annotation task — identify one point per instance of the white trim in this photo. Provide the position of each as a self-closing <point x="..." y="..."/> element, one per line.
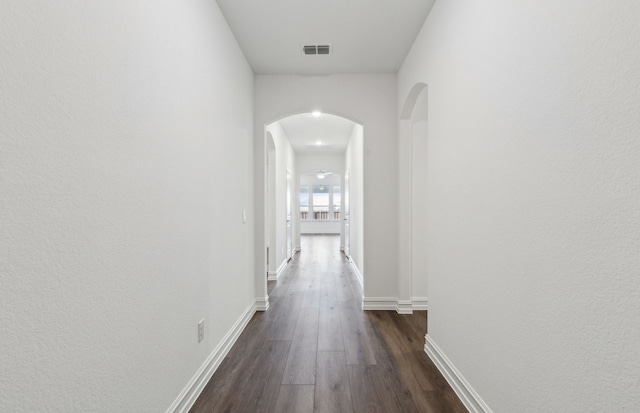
<point x="357" y="271"/>
<point x="420" y="303"/>
<point x="379" y="303"/>
<point x="393" y="303"/>
<point x="404" y="307"/>
<point x="275" y="276"/>
<point x="262" y="304"/>
<point x="467" y="395"/>
<point x="190" y="393"/>
<point x="282" y="268"/>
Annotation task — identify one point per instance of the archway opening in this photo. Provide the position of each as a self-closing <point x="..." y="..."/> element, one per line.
<point x="317" y="170"/>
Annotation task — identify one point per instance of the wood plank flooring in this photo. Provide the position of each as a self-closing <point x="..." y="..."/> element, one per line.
<point x="315" y="350"/>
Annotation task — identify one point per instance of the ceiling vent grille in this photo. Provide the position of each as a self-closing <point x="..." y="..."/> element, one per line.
<point x="324" y="49"/>
<point x="310" y="49"/>
<point x="316" y="49"/>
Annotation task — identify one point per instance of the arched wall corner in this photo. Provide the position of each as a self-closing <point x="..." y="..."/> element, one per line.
<point x="411" y="100"/>
<point x="270" y="143"/>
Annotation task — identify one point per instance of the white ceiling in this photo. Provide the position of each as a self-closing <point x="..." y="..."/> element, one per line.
<point x="368" y="36"/>
<point x="305" y="130"/>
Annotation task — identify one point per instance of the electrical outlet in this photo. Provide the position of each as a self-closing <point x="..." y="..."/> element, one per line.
<point x="201" y="330"/>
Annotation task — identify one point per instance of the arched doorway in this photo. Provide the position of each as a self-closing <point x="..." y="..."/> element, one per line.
<point x="412" y="279"/>
<point x="325" y="145"/>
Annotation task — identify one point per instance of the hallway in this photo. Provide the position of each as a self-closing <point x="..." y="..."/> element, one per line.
<point x="315" y="350"/>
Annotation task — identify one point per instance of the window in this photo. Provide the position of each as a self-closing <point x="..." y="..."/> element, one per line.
<point x="304" y="202"/>
<point x="320" y="202"/>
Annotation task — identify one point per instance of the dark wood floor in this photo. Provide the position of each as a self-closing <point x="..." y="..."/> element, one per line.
<point x="315" y="350"/>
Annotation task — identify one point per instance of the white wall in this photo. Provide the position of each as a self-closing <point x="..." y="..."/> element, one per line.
<point x="285" y="160"/>
<point x="328" y="162"/>
<point x="367" y="99"/>
<point x="124" y="127"/>
<point x="316" y="227"/>
<point x="354" y="167"/>
<point x="533" y="192"/>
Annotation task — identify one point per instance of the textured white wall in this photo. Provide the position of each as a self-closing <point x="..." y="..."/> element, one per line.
<point x="125" y="147"/>
<point x="370" y="100"/>
<point x="533" y="190"/>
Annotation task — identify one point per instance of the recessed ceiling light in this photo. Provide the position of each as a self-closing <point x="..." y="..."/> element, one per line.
<point x="318" y="142"/>
<point x="316" y="113"/>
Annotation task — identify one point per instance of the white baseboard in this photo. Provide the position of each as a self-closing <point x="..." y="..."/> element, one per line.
<point x="275" y="276"/>
<point x="404" y="306"/>
<point x="390" y="304"/>
<point x="262" y="304"/>
<point x="467" y="395"/>
<point x="282" y="267"/>
<point x="190" y="393"/>
<point x="357" y="272"/>
<point x="420" y="303"/>
<point x="379" y="303"/>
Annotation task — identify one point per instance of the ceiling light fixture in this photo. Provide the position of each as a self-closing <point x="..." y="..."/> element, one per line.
<point x="321" y="175"/>
<point x="318" y="142"/>
<point x="316" y="113"/>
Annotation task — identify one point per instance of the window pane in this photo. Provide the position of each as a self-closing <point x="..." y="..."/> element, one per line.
<point x="304" y="202"/>
<point x="320" y="202"/>
<point x="336" y="202"/>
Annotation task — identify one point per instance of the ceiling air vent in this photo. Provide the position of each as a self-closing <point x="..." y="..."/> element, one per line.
<point x="315" y="49"/>
<point x="324" y="49"/>
<point x="309" y="49"/>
